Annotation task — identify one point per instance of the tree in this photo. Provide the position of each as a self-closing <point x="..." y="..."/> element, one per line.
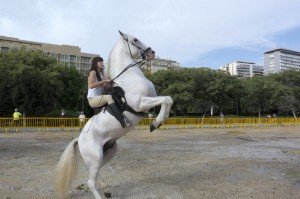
<point x="36" y="83"/>
<point x="291" y="79"/>
<point x="263" y="94"/>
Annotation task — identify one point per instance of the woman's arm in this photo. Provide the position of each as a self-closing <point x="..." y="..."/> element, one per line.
<point x="92" y="83"/>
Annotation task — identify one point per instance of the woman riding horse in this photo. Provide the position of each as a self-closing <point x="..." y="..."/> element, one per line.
<point x="97" y="85"/>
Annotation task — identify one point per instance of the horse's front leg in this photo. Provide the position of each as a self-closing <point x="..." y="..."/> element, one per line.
<point x="166" y="103"/>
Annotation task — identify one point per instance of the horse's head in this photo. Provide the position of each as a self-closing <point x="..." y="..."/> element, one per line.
<point x="128" y="52"/>
<point x="136" y="48"/>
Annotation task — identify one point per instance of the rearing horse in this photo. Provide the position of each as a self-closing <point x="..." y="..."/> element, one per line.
<point x="97" y="141"/>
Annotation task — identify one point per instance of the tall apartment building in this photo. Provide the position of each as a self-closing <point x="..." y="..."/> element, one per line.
<point x="66" y="54"/>
<point x="280" y="59"/>
<point x="160" y="64"/>
<point x="243" y="69"/>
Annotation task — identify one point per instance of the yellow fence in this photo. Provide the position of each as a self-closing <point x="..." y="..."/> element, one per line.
<point x="67" y="123"/>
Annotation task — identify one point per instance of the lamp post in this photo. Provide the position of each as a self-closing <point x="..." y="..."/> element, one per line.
<point x="82" y="105"/>
<point x="237" y="106"/>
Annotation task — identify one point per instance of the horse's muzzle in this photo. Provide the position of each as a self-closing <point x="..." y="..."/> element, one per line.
<point x="150" y="55"/>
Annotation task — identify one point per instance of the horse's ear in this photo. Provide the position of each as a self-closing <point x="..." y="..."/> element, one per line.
<point x="121" y="33"/>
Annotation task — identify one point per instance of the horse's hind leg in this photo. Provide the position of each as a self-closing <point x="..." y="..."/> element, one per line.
<point x="104" y="187"/>
<point x="94" y="169"/>
<point x="110" y="149"/>
<point x="93" y="158"/>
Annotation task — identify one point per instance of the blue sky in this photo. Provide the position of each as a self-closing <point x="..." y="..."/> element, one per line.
<point x="194" y="33"/>
<point x="289" y="39"/>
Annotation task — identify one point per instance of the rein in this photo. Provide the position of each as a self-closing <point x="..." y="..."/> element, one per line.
<point x="140" y="63"/>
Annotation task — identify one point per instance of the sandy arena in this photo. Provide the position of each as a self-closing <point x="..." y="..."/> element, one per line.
<point x="227" y="163"/>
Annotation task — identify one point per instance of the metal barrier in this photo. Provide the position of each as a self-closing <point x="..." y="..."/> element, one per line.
<point x="229" y="122"/>
<point x="74" y="123"/>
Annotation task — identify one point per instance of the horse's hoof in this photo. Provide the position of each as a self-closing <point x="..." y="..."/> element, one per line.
<point x="107" y="194"/>
<point x="79" y="187"/>
<point x="82" y="187"/>
<point x="152" y="127"/>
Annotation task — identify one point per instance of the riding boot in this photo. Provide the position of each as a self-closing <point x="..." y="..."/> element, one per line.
<point x="115" y="111"/>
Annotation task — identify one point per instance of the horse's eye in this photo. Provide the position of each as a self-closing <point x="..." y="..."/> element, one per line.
<point x="136" y="40"/>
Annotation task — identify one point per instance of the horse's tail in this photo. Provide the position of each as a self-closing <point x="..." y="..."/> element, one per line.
<point x="66" y="169"/>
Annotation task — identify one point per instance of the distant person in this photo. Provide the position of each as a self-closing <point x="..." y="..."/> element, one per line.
<point x="62" y="120"/>
<point x="81" y="119"/>
<point x="63" y="113"/>
<point x="221" y="117"/>
<point x="16" y="117"/>
<point x="150" y="115"/>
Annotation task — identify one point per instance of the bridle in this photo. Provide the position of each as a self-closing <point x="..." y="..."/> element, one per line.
<point x="143" y="55"/>
<point x="142" y="51"/>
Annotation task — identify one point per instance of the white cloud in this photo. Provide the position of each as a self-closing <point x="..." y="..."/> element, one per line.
<point x="179" y="29"/>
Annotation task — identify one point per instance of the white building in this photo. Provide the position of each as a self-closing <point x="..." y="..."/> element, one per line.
<point x="243" y="69"/>
<point x="160" y="64"/>
<point x="278" y="60"/>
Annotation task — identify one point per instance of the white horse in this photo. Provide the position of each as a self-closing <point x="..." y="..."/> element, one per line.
<point x="97" y="141"/>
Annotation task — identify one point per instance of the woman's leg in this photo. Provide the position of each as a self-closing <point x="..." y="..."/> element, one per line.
<point x="100" y="101"/>
<point x="113" y="109"/>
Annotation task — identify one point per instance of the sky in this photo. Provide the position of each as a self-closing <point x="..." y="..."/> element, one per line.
<point x="195" y="33"/>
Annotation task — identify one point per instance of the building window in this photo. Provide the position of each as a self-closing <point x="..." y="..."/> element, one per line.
<point x="4" y="49"/>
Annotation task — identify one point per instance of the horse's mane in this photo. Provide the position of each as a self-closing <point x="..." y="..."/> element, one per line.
<point x="106" y="71"/>
<point x="108" y="66"/>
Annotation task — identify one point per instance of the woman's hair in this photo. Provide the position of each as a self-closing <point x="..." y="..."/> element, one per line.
<point x="94" y="66"/>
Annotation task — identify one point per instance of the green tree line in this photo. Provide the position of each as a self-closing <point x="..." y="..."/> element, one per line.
<point x="196" y="90"/>
<point x="40" y="86"/>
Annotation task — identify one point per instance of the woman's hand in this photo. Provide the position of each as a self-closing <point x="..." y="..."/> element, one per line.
<point x="107" y="84"/>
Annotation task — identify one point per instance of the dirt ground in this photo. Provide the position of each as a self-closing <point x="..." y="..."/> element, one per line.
<point x="227" y="163"/>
